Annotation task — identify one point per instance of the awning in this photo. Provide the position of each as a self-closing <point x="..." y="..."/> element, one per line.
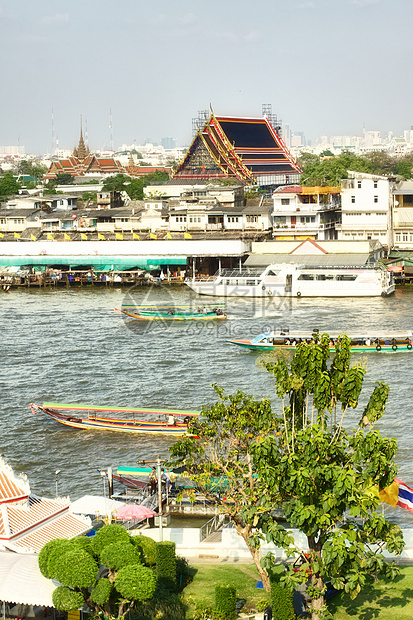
<point x="21" y="581"/>
<point x="92" y="504"/>
<point x="116" y="263"/>
<point x="310" y="260"/>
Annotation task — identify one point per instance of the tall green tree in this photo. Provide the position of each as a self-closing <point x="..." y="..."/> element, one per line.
<point x="326" y="468"/>
<point x="313" y="455"/>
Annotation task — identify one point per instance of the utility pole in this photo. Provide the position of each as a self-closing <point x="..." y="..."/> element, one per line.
<point x="159" y="471"/>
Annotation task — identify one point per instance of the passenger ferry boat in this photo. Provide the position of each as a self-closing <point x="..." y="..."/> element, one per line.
<point x="298" y="281"/>
<point x="363" y="342"/>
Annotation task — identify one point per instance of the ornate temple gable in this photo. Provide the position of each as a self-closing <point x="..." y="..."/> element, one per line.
<point x="241" y="148"/>
<point x="13" y="488"/>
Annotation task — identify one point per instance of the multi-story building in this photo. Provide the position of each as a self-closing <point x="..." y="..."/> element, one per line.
<point x="305" y="212"/>
<point x="403" y="216"/>
<point x="366" y="204"/>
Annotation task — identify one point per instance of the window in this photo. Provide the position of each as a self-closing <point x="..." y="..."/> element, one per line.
<point x="375" y="184"/>
<point x="398" y="237"/>
<point x="367" y="213"/>
<point x="308" y="219"/>
<point x="285" y="201"/>
<point x="353" y="199"/>
<point x="376" y="199"/>
<point x="405" y="237"/>
<point x="306" y="276"/>
<point x="280" y="219"/>
<point x="345" y="277"/>
<point x="359" y="184"/>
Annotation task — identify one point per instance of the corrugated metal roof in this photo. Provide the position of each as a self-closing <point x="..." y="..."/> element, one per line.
<point x="324" y="260"/>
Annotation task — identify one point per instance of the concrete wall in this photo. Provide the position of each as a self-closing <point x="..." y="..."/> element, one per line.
<point x="188" y="544"/>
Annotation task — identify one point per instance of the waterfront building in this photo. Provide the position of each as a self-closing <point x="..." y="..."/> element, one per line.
<point x="27" y="521"/>
<point x="366" y="203"/>
<point x="301" y="212"/>
<point x="403" y="217"/>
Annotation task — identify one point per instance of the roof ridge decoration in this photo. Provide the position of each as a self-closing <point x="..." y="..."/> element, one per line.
<point x="231" y="146"/>
<point x="13" y="488"/>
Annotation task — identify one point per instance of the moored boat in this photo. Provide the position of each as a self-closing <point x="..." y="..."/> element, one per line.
<point x="173" y="312"/>
<point x="363" y="342"/>
<point x="170" y="425"/>
<point x="285" y="280"/>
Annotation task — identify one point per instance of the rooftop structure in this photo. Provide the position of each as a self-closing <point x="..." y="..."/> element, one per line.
<point x="247" y="150"/>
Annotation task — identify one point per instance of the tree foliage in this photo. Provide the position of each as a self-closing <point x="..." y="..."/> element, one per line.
<point x="8" y="185"/>
<point x="315" y="456"/>
<point x="134" y="187"/>
<point x="321" y="171"/>
<point x="104" y="573"/>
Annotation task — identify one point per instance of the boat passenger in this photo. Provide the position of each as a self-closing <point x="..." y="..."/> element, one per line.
<point x="153" y="481"/>
<point x="171" y="420"/>
<point x="368" y="342"/>
<point x="172" y="477"/>
<point x="287" y="341"/>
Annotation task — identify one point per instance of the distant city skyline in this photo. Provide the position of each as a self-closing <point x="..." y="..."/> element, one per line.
<point x="138" y="71"/>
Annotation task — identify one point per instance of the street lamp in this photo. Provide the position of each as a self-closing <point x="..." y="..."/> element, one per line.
<point x="57" y="472"/>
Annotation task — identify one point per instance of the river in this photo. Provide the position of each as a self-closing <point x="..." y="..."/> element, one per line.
<point x="69" y="345"/>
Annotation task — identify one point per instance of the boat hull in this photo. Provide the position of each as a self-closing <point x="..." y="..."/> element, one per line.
<point x="381" y="348"/>
<point x="196" y="316"/>
<point x="177" y="429"/>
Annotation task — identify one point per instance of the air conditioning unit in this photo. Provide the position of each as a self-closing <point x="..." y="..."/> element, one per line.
<point x="166" y="520"/>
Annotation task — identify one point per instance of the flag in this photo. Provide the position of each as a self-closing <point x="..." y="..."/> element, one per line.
<point x="398" y="494"/>
<point x="67" y="237"/>
<point x="168" y="235"/>
<point x="83" y="236"/>
<point x="152" y="236"/>
<point x="136" y="236"/>
<point x="16" y="235"/>
<point x="32" y="237"/>
<point x="187" y="236"/>
<point x="100" y="236"/>
<point x="50" y="236"/>
<point x="119" y="236"/>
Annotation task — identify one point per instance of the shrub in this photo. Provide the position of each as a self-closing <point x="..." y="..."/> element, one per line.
<point x="107" y="535"/>
<point x="136" y="582"/>
<point x="117" y="555"/>
<point x="225" y="600"/>
<point x="282" y="602"/>
<point x="164" y="605"/>
<point x="101" y="592"/>
<point x="183" y="576"/>
<point x="147" y="547"/>
<point x="65" y="599"/>
<point x="76" y="569"/>
<point x="84" y="543"/>
<point x="50" y="553"/>
<point x="166" y="564"/>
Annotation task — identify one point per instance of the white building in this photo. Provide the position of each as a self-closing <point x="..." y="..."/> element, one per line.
<point x="366" y="203"/>
<point x="301" y="212"/>
<point x="403" y="216"/>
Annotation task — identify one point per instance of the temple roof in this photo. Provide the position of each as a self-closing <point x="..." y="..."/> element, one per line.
<point x="242" y="148"/>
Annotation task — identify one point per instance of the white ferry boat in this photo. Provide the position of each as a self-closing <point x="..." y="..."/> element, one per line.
<point x="298" y="281"/>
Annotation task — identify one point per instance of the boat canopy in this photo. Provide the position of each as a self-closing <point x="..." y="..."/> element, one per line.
<point x="99" y="263"/>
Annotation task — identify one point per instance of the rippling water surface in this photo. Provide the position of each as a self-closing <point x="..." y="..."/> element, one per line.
<point x="69" y="345"/>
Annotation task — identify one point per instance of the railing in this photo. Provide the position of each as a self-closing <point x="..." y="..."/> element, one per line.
<point x="212" y="526"/>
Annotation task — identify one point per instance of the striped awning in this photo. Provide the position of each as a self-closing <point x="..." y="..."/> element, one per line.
<point x="21" y="581"/>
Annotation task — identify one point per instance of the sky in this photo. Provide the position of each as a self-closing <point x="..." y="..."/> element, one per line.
<point x="142" y="71"/>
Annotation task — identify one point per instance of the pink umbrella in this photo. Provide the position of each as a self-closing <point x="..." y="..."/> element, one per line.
<point x="134" y="511"/>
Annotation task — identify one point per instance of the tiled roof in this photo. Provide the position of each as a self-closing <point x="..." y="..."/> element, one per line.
<point x="22" y="518"/>
<point x="66" y="526"/>
<point x="12" y="487"/>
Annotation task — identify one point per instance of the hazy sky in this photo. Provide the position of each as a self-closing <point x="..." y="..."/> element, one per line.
<point x="326" y="66"/>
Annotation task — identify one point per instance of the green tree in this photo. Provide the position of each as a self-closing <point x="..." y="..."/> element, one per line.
<point x="106" y="573"/>
<point x="8" y="185"/>
<point x="326" y="477"/>
<point x="116" y="183"/>
<point x="302" y="458"/>
<point x="219" y="459"/>
<point x="63" y="178"/>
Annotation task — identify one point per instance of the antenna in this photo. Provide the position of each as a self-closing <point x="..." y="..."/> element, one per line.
<point x="53" y="149"/>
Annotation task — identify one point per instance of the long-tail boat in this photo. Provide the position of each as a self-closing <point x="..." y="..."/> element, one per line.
<point x="90" y="418"/>
<point x="173" y="312"/>
<point x="363" y="342"/>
